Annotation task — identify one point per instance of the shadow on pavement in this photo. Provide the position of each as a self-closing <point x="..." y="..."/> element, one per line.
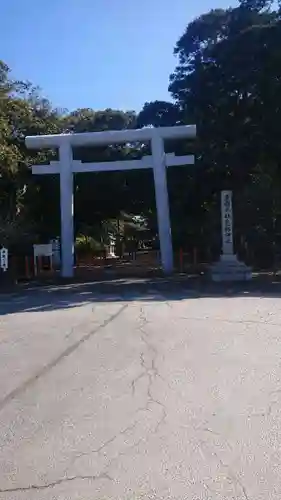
<point x="36" y="298"/>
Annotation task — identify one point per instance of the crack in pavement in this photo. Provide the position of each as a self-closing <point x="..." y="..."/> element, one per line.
<point x="151" y="372"/>
<point x="102" y="446"/>
<point x="152" y="369"/>
<point x="231" y="475"/>
<point x="231" y="321"/>
<point x="18" y="390"/>
<point x="57" y="482"/>
<point x="108" y="442"/>
<point x="32" y="380"/>
<point x="139" y="377"/>
<point x="202" y="443"/>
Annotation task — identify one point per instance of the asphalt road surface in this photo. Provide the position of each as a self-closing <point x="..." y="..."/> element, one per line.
<point x="145" y="394"/>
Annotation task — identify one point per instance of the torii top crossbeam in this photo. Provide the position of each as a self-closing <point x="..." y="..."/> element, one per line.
<point x="110" y="136"/>
<point x="158" y="161"/>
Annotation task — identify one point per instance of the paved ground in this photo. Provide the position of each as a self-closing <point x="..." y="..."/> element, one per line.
<point x="140" y="394"/>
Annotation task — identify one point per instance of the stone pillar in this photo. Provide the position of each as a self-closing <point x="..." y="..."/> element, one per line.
<point x="66" y="208"/>
<point x="228" y="268"/>
<point x="162" y="202"/>
<point x="227" y="222"/>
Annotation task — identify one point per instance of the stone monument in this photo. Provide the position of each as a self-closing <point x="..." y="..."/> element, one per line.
<point x="229" y="268"/>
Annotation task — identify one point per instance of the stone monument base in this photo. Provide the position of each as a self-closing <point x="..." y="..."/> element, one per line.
<point x="229" y="268"/>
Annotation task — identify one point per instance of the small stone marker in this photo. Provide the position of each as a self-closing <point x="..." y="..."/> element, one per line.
<point x="4" y="263"/>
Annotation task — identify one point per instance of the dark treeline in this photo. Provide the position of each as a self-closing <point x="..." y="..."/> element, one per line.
<point x="227" y="81"/>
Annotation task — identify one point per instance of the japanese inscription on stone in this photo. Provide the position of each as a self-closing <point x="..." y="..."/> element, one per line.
<point x="227" y="222"/>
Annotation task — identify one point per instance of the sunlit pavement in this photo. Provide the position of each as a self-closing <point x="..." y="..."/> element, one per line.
<point x="140" y="394"/>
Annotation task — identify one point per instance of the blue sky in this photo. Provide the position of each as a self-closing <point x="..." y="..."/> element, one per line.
<point x="96" y="53"/>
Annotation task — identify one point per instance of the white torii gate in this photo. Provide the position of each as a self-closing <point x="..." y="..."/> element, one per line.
<point x="66" y="166"/>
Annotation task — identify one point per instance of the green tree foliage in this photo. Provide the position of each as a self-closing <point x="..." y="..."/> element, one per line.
<point x="22" y="112"/>
<point x="228" y="82"/>
<point x="159" y="114"/>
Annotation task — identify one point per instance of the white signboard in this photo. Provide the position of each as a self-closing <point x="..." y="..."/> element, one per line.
<point x="45" y="250"/>
<point x="227" y="222"/>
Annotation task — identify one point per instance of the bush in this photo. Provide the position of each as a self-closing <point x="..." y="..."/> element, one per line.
<point x="86" y="245"/>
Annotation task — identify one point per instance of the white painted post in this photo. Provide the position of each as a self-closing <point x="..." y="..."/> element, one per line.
<point x="56" y="251"/>
<point x="162" y="201"/>
<point x="66" y="207"/>
<point x="227" y="222"/>
<point x="4" y="262"/>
